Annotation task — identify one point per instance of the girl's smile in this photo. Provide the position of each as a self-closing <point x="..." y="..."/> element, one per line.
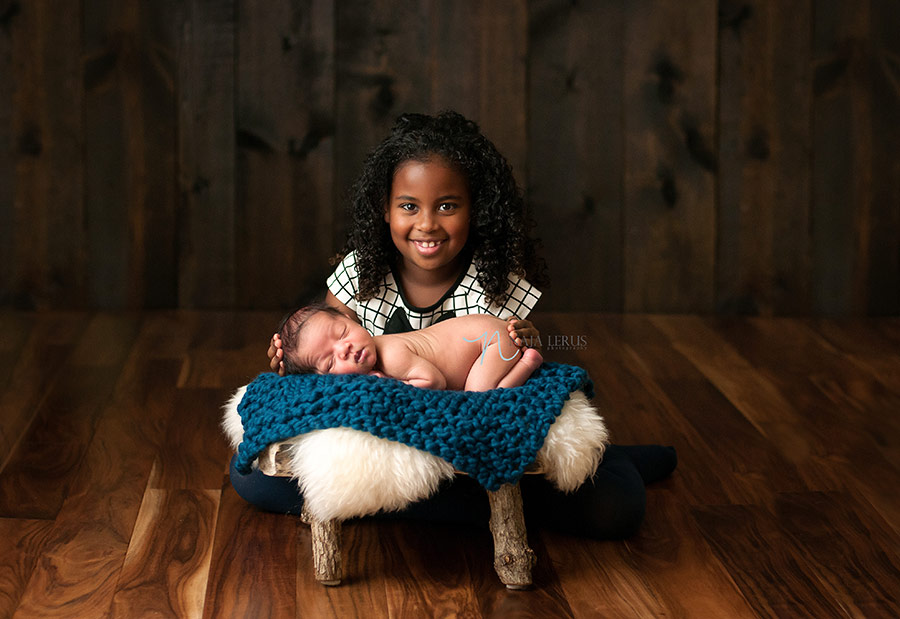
<point x="428" y="215"/>
<point x="428" y="248"/>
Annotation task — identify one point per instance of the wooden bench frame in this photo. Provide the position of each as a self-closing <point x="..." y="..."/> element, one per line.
<point x="513" y="558"/>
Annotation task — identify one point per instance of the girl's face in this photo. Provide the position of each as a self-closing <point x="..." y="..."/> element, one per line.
<point x="428" y="215"/>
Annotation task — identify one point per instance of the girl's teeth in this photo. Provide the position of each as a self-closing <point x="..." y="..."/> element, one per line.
<point x="428" y="244"/>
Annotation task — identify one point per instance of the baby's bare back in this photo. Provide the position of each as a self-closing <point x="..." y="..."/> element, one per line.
<point x="452" y="345"/>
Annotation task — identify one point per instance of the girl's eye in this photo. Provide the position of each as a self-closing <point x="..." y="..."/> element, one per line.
<point x="447" y="206"/>
<point x="407" y="207"/>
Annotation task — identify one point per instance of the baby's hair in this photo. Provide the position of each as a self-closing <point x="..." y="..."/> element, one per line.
<point x="499" y="232"/>
<point x="289" y="329"/>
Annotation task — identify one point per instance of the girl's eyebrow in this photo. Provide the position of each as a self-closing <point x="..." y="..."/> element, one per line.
<point x="440" y="198"/>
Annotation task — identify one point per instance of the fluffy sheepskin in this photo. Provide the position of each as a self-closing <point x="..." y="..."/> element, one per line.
<point x="344" y="473"/>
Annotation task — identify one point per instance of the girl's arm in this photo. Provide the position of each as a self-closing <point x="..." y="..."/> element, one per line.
<point x="332" y="300"/>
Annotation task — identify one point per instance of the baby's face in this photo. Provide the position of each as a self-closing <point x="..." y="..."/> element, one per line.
<point x="336" y="345"/>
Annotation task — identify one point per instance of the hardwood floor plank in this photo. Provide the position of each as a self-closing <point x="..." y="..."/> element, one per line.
<point x="316" y="600"/>
<point x="889" y="327"/>
<point x="77" y="574"/>
<point x="194" y="453"/>
<point x="229" y="350"/>
<point x="254" y="562"/>
<point x="544" y="599"/>
<point x="753" y="393"/>
<point x="790" y="352"/>
<point x="425" y="568"/>
<point x="649" y="393"/>
<point x="597" y="581"/>
<point x="90" y="537"/>
<point x="869" y="345"/>
<point x="32" y="486"/>
<point x="362" y="591"/>
<point x="170" y="334"/>
<point x="685" y="575"/>
<point x="773" y="573"/>
<point x="36" y="481"/>
<point x="30" y="367"/>
<point x="166" y="567"/>
<point x="21" y="546"/>
<point x="667" y="561"/>
<point x="861" y="563"/>
<point x="700" y="421"/>
<point x="15" y="328"/>
<point x="847" y="413"/>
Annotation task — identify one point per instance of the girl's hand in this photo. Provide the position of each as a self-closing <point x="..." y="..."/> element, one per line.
<point x="276" y="353"/>
<point x="523" y="333"/>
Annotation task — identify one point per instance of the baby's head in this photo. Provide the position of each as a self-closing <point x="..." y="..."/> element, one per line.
<point x="319" y="339"/>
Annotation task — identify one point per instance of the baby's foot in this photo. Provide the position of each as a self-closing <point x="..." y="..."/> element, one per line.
<point x="531" y="358"/>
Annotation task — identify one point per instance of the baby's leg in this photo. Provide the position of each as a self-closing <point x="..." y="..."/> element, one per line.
<point x="502" y="365"/>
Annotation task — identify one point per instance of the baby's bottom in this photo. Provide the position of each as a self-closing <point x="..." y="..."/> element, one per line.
<point x="504" y="367"/>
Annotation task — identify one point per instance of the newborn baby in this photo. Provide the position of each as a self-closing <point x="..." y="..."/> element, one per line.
<point x="472" y="353"/>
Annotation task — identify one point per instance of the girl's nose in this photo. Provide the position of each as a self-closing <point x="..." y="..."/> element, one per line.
<point x="342" y="349"/>
<point x="426" y="221"/>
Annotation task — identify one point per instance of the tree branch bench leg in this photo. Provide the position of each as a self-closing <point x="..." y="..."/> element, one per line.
<point x="326" y="549"/>
<point x="513" y="559"/>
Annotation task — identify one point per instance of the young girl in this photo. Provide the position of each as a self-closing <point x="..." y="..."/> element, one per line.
<point x="439" y="229"/>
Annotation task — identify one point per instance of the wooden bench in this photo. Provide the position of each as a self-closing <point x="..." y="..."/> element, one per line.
<point x="513" y="558"/>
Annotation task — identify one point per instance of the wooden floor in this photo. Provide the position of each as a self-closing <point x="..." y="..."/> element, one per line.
<point x="115" y="500"/>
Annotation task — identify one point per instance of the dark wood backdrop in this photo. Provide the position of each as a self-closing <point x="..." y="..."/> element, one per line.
<point x="703" y="156"/>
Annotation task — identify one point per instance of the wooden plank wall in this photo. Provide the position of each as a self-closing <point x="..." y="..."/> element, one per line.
<point x="737" y="156"/>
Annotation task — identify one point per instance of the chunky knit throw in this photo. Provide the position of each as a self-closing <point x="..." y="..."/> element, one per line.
<point x="491" y="435"/>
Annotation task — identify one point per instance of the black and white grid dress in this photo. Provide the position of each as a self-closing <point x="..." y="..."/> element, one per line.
<point x="390" y="312"/>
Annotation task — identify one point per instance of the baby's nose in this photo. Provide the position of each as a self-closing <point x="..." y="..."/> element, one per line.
<point x="343" y="349"/>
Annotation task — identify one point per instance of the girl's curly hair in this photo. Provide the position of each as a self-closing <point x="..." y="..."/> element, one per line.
<point x="499" y="230"/>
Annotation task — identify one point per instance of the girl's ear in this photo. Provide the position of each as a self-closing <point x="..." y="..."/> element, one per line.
<point x="387" y="214"/>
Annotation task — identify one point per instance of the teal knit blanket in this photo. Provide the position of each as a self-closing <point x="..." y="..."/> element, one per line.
<point x="491" y="435"/>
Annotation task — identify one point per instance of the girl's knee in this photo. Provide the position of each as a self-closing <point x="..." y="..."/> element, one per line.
<point x="610" y="506"/>
<point x="272" y="494"/>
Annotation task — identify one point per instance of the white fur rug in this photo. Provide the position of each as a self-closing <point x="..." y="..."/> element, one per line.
<point x="344" y="473"/>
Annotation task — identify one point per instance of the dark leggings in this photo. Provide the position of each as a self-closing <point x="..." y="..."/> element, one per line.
<point x="610" y="505"/>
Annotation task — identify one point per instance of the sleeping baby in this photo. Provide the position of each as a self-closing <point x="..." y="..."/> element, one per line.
<point x="471" y="353"/>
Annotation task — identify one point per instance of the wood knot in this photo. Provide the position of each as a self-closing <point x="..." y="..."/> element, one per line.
<point x="383" y="101"/>
<point x="667" y="187"/>
<point x="31" y="143"/>
<point x="8" y="13"/>
<point x="669" y="76"/>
